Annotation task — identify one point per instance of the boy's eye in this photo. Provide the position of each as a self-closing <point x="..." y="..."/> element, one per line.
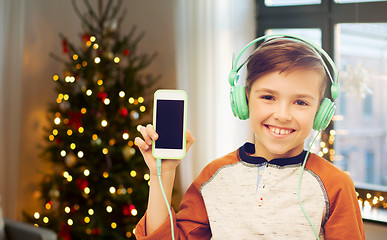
<point x="302" y="103"/>
<point x="267" y="97"/>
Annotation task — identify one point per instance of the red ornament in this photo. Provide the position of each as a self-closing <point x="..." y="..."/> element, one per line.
<point x="64" y="231"/>
<point x="65" y="47"/>
<point x="86" y="37"/>
<point x="72" y="209"/>
<point x="126" y="210"/>
<point x="102" y="96"/>
<point x="123" y="112"/>
<point x="82" y="183"/>
<point x="58" y="140"/>
<point x="75" y="119"/>
<point x="126" y="52"/>
<point x="96" y="231"/>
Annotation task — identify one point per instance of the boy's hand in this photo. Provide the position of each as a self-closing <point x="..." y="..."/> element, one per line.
<point x="145" y="146"/>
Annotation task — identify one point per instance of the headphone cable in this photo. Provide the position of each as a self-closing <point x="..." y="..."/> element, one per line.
<point x="298" y="188"/>
<point x="158" y="163"/>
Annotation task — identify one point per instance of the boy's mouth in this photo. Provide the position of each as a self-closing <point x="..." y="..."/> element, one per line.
<point x="280" y="131"/>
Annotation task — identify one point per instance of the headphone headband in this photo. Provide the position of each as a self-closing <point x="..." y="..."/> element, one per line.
<point x="233" y="77"/>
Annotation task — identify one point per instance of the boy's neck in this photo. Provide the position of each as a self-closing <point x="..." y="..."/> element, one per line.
<point x="260" y="151"/>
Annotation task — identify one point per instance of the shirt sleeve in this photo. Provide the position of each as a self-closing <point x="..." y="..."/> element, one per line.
<point x="191" y="222"/>
<point x="344" y="217"/>
<point x="345" y="221"/>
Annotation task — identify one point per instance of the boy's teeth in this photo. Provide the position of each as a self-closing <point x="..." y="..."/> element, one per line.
<point x="279" y="131"/>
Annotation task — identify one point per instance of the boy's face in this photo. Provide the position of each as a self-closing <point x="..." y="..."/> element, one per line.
<point x="282" y="109"/>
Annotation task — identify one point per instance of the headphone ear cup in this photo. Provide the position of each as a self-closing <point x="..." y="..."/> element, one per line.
<point x="233" y="101"/>
<point x="239" y="103"/>
<point x="324" y="115"/>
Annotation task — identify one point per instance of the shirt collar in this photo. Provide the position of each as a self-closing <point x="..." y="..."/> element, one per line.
<point x="246" y="151"/>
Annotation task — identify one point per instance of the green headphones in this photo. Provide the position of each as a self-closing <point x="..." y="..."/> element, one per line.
<point x="327" y="108"/>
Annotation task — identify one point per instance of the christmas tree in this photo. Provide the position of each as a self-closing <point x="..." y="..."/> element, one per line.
<point x="98" y="186"/>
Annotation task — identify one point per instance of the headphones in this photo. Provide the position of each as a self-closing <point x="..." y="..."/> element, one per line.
<point x="327" y="108"/>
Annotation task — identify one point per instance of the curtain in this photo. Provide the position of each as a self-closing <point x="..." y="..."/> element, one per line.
<point x="11" y="61"/>
<point x="207" y="33"/>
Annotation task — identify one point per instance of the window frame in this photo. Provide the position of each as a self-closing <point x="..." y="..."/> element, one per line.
<point x="325" y="16"/>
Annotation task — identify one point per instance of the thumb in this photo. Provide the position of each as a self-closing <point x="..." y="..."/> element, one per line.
<point x="189" y="139"/>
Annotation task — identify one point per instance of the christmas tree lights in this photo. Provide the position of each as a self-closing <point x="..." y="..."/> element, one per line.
<point x="98" y="186"/>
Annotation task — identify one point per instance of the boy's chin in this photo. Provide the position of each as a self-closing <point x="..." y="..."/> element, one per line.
<point x="286" y="152"/>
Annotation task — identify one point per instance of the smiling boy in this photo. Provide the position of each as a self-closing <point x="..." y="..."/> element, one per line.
<point x="283" y="108"/>
<point x="251" y="193"/>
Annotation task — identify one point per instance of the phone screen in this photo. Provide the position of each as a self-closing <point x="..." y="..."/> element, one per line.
<point x="169" y="124"/>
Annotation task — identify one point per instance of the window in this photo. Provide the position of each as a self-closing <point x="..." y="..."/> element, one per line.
<point x="367" y="105"/>
<point x="357" y="1"/>
<point x="354" y="33"/>
<point x="342" y="105"/>
<point x="370" y="167"/>
<point x="361" y="54"/>
<point x="343" y="163"/>
<point x="273" y="3"/>
<point x="312" y="34"/>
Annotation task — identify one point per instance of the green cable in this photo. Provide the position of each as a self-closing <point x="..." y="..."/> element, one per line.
<point x="298" y="189"/>
<point x="158" y="163"/>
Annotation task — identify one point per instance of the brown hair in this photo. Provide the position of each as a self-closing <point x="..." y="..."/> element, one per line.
<point x="283" y="55"/>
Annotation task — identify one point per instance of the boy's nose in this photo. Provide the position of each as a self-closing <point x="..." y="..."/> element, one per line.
<point x="282" y="113"/>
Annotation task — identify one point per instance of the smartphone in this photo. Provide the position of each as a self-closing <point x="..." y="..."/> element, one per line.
<point x="169" y="121"/>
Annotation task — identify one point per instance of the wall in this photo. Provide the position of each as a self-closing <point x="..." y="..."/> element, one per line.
<point x="43" y="21"/>
<point x="375" y="231"/>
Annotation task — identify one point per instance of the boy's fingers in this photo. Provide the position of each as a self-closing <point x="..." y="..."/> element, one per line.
<point x="190" y="139"/>
<point x="150" y="135"/>
<point x="151" y="132"/>
<point x="145" y="135"/>
<point x="141" y="143"/>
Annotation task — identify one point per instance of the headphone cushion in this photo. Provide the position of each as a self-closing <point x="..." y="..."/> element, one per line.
<point x="233" y="101"/>
<point x="241" y="102"/>
<point x="324" y="115"/>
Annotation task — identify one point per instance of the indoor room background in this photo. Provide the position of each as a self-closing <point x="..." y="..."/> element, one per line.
<point x="194" y="41"/>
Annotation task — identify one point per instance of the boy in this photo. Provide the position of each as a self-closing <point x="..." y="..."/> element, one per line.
<point x="251" y="193"/>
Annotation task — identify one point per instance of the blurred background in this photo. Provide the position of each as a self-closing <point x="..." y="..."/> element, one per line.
<point x="194" y="42"/>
